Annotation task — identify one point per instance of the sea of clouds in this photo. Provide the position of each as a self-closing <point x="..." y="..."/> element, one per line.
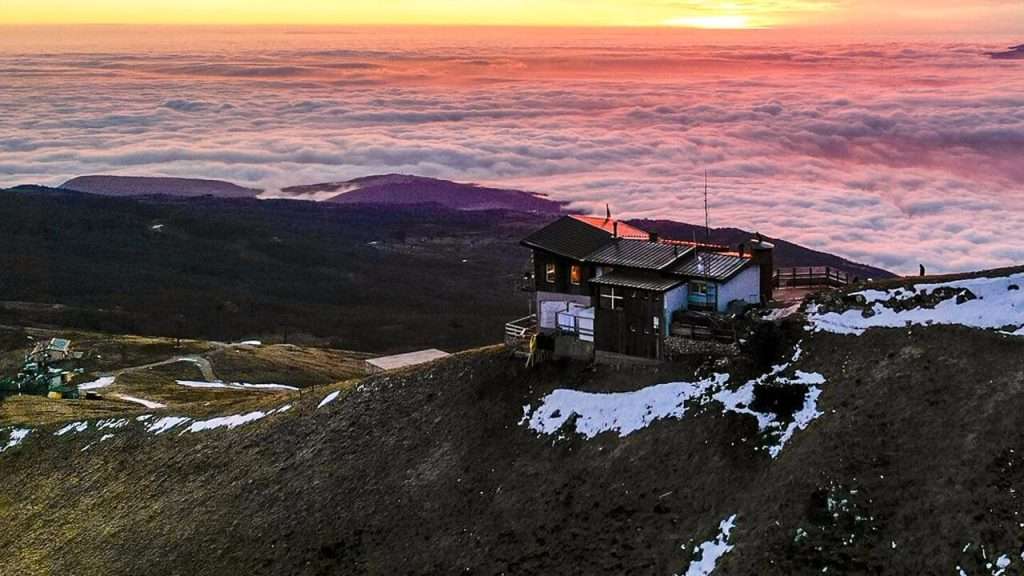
<point x="893" y="153"/>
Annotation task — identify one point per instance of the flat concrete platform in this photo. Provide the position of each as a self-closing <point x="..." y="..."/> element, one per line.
<point x="398" y="361"/>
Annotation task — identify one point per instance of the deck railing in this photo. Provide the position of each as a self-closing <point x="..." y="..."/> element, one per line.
<point x="582" y="327"/>
<point x="521" y="329"/>
<point x="810" y="276"/>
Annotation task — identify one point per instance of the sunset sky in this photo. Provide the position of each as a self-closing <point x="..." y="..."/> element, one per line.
<point x="911" y="16"/>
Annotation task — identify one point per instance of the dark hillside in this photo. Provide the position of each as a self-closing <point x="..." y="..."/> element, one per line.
<point x="355" y="276"/>
<point x="914" y="467"/>
<point x="362" y="277"/>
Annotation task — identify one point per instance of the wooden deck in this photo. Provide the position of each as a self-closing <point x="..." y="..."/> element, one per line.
<point x="810" y="276"/>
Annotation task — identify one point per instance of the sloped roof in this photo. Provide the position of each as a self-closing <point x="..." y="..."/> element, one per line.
<point x="608" y="225"/>
<point x="637" y="280"/>
<point x="637" y="254"/>
<point x="711" y="265"/>
<point x="570" y="237"/>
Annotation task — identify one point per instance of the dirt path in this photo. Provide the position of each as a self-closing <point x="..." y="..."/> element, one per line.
<point x="200" y="362"/>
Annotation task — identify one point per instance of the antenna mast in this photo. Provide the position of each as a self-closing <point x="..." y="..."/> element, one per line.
<point x="707" y="216"/>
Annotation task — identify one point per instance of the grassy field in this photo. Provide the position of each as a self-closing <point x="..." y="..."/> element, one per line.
<point x="148" y="369"/>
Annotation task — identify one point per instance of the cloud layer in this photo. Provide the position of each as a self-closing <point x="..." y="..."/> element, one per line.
<point x="892" y="154"/>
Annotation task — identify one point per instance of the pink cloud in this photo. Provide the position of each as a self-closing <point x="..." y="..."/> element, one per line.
<point x="894" y="154"/>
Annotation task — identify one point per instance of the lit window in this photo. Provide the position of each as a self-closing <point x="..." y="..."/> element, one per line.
<point x="549" y="273"/>
<point x="699" y="288"/>
<point x="576" y="274"/>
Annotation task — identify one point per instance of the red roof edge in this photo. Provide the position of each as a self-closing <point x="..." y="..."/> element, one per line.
<point x="631" y="232"/>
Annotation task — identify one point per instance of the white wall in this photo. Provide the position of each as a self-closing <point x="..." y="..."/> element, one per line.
<point x="675" y="299"/>
<point x="745" y="286"/>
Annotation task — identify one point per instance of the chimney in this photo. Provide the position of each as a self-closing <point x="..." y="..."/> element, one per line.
<point x="763" y="254"/>
<point x="743" y="249"/>
<point x="653" y="236"/>
<point x="615" y="230"/>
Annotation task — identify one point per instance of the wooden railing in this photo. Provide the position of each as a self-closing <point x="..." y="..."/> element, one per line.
<point x="521" y="329"/>
<point x="810" y="276"/>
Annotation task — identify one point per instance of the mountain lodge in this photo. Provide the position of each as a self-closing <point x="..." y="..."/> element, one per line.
<point x="615" y="288"/>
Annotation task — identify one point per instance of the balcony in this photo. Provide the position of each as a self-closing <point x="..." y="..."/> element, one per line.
<point x="518" y="332"/>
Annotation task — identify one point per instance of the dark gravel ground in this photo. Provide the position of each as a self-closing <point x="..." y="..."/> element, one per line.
<point x="920" y="452"/>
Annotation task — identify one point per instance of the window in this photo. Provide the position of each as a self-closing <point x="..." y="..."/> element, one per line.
<point x="609" y="299"/>
<point x="576" y="275"/>
<point x="550" y="272"/>
<point x="699" y="288"/>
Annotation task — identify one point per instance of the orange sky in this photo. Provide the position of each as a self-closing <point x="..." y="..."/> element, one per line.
<point x="869" y="15"/>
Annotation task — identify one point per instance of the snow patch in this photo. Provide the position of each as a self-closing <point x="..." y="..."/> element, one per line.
<point x="627" y="412"/>
<point x="999" y="304"/>
<point x="16" y="437"/>
<point x="73" y="428"/>
<point x="234" y="385"/>
<point x="739" y="401"/>
<point x="166" y="423"/>
<point x="234" y="421"/>
<point x="143" y="401"/>
<point x="709" y="553"/>
<point x="623" y="412"/>
<point x="781" y="313"/>
<point x="328" y="399"/>
<point x="229" y="422"/>
<point x="98" y="383"/>
<point x="112" y="424"/>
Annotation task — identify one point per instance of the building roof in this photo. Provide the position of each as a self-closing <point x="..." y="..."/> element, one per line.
<point x="637" y="281"/>
<point x="711" y="265"/>
<point x="406" y="360"/>
<point x="570" y="237"/>
<point x="637" y="254"/>
<point x="608" y="225"/>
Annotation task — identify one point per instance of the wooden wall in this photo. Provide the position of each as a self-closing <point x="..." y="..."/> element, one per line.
<point x="562" y="269"/>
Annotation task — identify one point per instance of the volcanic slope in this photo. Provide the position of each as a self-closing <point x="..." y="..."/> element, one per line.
<point x="894" y="448"/>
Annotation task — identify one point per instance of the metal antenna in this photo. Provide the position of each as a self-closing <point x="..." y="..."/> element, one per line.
<point x="707" y="216"/>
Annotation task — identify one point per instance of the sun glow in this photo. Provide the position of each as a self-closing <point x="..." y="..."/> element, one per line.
<point x="716" y="22"/>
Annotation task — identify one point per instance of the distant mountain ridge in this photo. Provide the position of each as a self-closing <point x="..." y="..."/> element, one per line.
<point x="407" y="189"/>
<point x="387" y="189"/>
<point x="787" y="254"/>
<point x="157" y="186"/>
